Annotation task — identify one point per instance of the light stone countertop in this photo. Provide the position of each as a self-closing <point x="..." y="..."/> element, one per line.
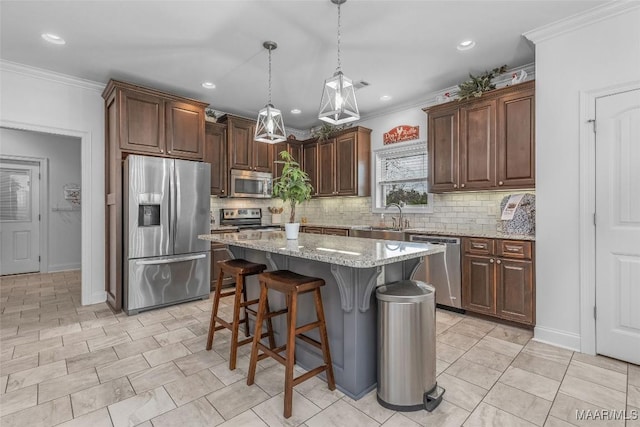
<point x="348" y="251"/>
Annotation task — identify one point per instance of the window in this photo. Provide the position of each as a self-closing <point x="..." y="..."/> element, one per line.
<point x="401" y="176"/>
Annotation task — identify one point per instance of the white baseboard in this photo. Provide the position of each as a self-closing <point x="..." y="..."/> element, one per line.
<point x="64" y="267"/>
<point x="558" y="338"/>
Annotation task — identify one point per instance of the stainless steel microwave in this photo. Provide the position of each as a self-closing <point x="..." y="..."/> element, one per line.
<point x="250" y="184"/>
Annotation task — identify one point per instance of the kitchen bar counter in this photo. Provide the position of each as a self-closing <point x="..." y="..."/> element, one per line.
<point x="352" y="268"/>
<point x="339" y="250"/>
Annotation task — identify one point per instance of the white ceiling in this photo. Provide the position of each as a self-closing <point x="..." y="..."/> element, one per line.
<point x="405" y="49"/>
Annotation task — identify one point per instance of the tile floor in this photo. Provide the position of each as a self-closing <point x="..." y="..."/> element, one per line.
<point x="65" y="364"/>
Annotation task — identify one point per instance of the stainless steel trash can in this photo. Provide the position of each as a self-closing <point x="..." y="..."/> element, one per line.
<point x="407" y="346"/>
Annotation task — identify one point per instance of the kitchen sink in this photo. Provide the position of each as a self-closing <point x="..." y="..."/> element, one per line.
<point x="383" y="233"/>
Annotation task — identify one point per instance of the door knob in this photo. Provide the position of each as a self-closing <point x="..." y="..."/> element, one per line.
<point x="498" y="262"/>
<point x="455" y="185"/>
<point x="462" y="185"/>
<point x="500" y="183"/>
<point x="491" y="260"/>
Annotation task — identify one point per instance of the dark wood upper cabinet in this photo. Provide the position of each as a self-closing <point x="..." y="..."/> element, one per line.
<point x="244" y="152"/>
<point x="240" y="134"/>
<point x="293" y="148"/>
<point x="516" y="140"/>
<point x="155" y="123"/>
<point x="326" y="168"/>
<point x="215" y="153"/>
<point x="184" y="130"/>
<point x="486" y="143"/>
<point x="346" y="164"/>
<point x="262" y="156"/>
<point x="478" y="145"/>
<point x="310" y="163"/>
<point x="342" y="163"/>
<point x="443" y="150"/>
<point x="141" y="119"/>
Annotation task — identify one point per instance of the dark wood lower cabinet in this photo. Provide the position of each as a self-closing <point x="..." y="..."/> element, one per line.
<point x="515" y="290"/>
<point x="219" y="252"/>
<point x="501" y="281"/>
<point x="479" y="292"/>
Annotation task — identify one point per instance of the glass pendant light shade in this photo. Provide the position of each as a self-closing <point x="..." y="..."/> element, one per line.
<point x="270" y="125"/>
<point x="338" y="104"/>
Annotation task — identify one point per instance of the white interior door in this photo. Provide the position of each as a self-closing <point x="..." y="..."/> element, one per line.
<point x="618" y="226"/>
<point x="19" y="217"/>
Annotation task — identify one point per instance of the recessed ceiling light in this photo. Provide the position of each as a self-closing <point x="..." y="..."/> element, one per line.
<point x="208" y="85"/>
<point x="385" y="97"/>
<point x="296" y="111"/>
<point x="466" y="45"/>
<point x="52" y="38"/>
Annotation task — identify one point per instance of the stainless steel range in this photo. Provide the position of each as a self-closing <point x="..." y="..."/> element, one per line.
<point x="245" y="219"/>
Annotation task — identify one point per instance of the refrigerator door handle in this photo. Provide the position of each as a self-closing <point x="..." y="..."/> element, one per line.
<point x="173" y="199"/>
<point x="170" y="260"/>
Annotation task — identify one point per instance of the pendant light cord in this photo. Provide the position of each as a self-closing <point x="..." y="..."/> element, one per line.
<point x="269" y="75"/>
<point x="339" y="63"/>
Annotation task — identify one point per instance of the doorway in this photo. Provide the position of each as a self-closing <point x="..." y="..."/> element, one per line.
<point x="19" y="216"/>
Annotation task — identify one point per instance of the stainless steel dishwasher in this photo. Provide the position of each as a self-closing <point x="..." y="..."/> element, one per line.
<point x="441" y="270"/>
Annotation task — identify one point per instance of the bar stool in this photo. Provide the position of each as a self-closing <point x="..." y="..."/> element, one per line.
<point x="239" y="269"/>
<point x="291" y="284"/>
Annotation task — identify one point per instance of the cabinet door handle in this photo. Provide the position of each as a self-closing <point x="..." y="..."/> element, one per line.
<point x="500" y="183"/>
<point x="498" y="262"/>
<point x="222" y="191"/>
<point x="477" y="246"/>
<point x="491" y="260"/>
<point x="455" y="185"/>
<point x="512" y="248"/>
<point x="462" y="185"/>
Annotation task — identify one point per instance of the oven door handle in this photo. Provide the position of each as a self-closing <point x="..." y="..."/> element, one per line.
<point x="171" y="260"/>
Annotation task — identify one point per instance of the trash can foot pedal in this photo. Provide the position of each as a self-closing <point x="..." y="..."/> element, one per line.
<point x="433" y="398"/>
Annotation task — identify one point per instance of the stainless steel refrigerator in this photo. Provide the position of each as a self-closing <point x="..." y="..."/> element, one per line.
<point x="166" y="206"/>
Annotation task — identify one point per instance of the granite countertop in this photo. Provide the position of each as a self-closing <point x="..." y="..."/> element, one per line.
<point x="489" y="235"/>
<point x="340" y="250"/>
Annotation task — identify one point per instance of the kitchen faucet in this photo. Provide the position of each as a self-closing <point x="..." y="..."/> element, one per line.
<point x="399" y="206"/>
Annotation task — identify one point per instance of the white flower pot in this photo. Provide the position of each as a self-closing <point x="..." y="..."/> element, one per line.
<point x="292" y="229"/>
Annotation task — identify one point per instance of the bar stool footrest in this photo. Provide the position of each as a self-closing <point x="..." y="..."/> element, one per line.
<point x="311" y="341"/>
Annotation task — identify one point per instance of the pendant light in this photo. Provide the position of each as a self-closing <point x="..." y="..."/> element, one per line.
<point x="270" y="126"/>
<point x="338" y="104"/>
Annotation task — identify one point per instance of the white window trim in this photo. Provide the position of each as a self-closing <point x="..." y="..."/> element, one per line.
<point x="414" y="147"/>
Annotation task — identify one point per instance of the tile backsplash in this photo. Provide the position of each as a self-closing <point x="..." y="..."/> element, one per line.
<point x="463" y="212"/>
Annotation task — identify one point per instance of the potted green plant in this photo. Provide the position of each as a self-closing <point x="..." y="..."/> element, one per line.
<point x="292" y="186"/>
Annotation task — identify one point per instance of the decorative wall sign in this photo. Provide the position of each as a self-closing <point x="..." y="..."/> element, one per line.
<point x="401" y="133"/>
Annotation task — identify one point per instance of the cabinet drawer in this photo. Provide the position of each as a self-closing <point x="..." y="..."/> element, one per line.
<point x="479" y="246"/>
<point x="312" y="230"/>
<point x="336" y="231"/>
<point x="514" y="249"/>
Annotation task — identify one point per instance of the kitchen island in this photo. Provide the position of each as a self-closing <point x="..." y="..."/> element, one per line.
<point x="352" y="268"/>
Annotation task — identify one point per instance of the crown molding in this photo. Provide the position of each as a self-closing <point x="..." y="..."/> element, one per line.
<point x="575" y="22"/>
<point x="52" y="76"/>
